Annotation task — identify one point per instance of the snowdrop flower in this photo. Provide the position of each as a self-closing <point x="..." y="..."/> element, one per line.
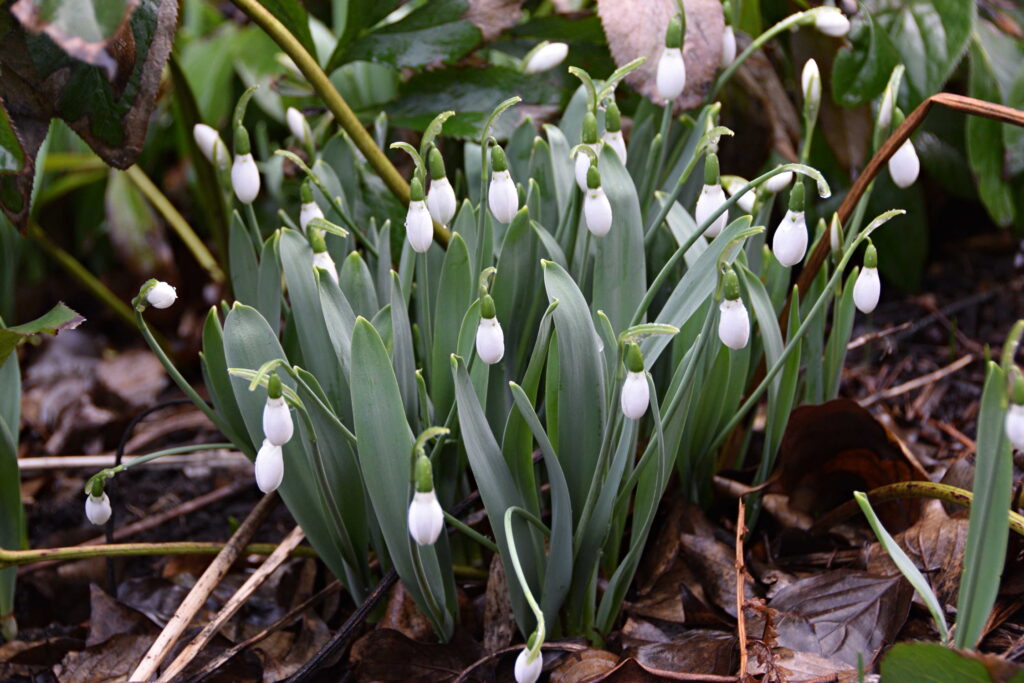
<point x="778" y="182"/>
<point x="732" y="185"/>
<point x="545" y="56"/>
<point x="904" y="165"/>
<point x="440" y="197"/>
<point x="529" y="665"/>
<point x="299" y="126"/>
<point x="97" y="508"/>
<point x="733" y="321"/>
<point x="597" y="210"/>
<point x="868" y="286"/>
<point x="789" y="244"/>
<point x="671" y="76"/>
<point x="885" y="108"/>
<point x="426" y="518"/>
<point x="831" y="21"/>
<point x="588" y="137"/>
<point x="209" y="143"/>
<point x="161" y="295"/>
<point x="309" y="209"/>
<point x="269" y="467"/>
<point x="712" y="196"/>
<point x="490" y="341"/>
<point x="835" y="235"/>
<point x="502" y="196"/>
<point x="728" y="46"/>
<point x="810" y="82"/>
<point x="321" y="257"/>
<point x="277" y="417"/>
<point x="245" y="177"/>
<point x="613" y="131"/>
<point x="419" y="229"/>
<point x="635" y="393"/>
<point x="1015" y="414"/>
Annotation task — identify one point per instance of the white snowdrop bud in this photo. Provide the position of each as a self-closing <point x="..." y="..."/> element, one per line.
<point x="245" y="178"/>
<point x="277" y="421"/>
<point x="1015" y="425"/>
<point x="269" y="467"/>
<point x="728" y="46"/>
<point x="309" y="209"/>
<point x="210" y="144"/>
<point x="789" y="244"/>
<point x="299" y="126"/>
<point x="613" y="130"/>
<point x="779" y="182"/>
<point x="885" y="108"/>
<point x="733" y="323"/>
<point x="545" y="57"/>
<point x="588" y="137"/>
<point x="614" y="140"/>
<point x="502" y="197"/>
<point x="732" y="185"/>
<point x="528" y="670"/>
<point x="712" y="196"/>
<point x="161" y="295"/>
<point x="810" y="82"/>
<point x="582" y="165"/>
<point x="97" y="508"/>
<point x="635" y="395"/>
<point x="831" y="21"/>
<point x="441" y="197"/>
<point x="597" y="210"/>
<point x="868" y="286"/>
<point x="426" y="518"/>
<point x="904" y="165"/>
<point x="321" y="257"/>
<point x="671" y="77"/>
<point x="490" y="341"/>
<point x="419" y="229"/>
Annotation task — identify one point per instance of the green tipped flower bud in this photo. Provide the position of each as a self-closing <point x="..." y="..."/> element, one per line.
<point x="424" y="475"/>
<point x="436" y="164"/>
<point x="727" y="12"/>
<point x="612" y="118"/>
<point x="416" y="190"/>
<point x="242" y="145"/>
<point x="796" y="196"/>
<point x="730" y="285"/>
<point x="487" y="307"/>
<point x="316" y="241"/>
<point x="634" y="358"/>
<point x="870" y="256"/>
<point x="589" y="133"/>
<point x="97" y="487"/>
<point x="498" y="161"/>
<point x="593" y="177"/>
<point x="675" y="32"/>
<point x="274" y="386"/>
<point x="711" y="171"/>
<point x="306" y="191"/>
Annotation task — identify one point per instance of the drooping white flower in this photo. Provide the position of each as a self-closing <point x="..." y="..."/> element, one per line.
<point x="441" y="200"/>
<point x="490" y="341"/>
<point x="211" y="145"/>
<point x="502" y="196"/>
<point x="597" y="211"/>
<point x="710" y="199"/>
<point x="733" y="323"/>
<point x="546" y="57"/>
<point x="245" y="178"/>
<point x="789" y="244"/>
<point x="1015" y="425"/>
<point x="161" y="295"/>
<point x="732" y="185"/>
<point x="779" y="182"/>
<point x="299" y="126"/>
<point x="426" y="518"/>
<point x="636" y="395"/>
<point x="308" y="212"/>
<point x="97" y="508"/>
<point x="269" y="467"/>
<point x="613" y="131"/>
<point x="323" y="260"/>
<point x="582" y="165"/>
<point x="419" y="229"/>
<point x="528" y="670"/>
<point x="904" y="165"/>
<point x="831" y="21"/>
<point x="277" y="421"/>
<point x="728" y="46"/>
<point x="671" y="76"/>
<point x="867" y="289"/>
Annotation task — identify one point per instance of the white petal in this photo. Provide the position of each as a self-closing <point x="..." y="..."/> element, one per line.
<point x="711" y="197"/>
<point x="162" y="295"/>
<point x="867" y="290"/>
<point x="441" y="200"/>
<point x="527" y="671"/>
<point x="210" y="144"/>
<point x="789" y="244"/>
<point x="245" y="178"/>
<point x="269" y="467"/>
<point x="419" y="229"/>
<point x="904" y="165"/>
<point x="615" y="140"/>
<point x="277" y="422"/>
<point x="778" y="183"/>
<point x="299" y="126"/>
<point x="671" y="78"/>
<point x="810" y="82"/>
<point x="1015" y="426"/>
<point x="832" y="22"/>
<point x="733" y="323"/>
<point x="308" y="212"/>
<point x="426" y="518"/>
<point x="324" y="260"/>
<point x="635" y="395"/>
<point x="728" y="46"/>
<point x="502" y="197"/>
<point x="597" y="211"/>
<point x="583" y="165"/>
<point x="885" y="108"/>
<point x="97" y="508"/>
<point x="548" y="57"/>
<point x="490" y="341"/>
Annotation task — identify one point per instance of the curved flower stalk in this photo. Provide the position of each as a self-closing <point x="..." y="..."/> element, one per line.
<point x="529" y="662"/>
<point x="597" y="210"/>
<point x="613" y="131"/>
<point x="789" y="244"/>
<point x="868" y="287"/>
<point x="419" y="229"/>
<point x="588" y="136"/>
<point x="711" y="198"/>
<point x="733" y="321"/>
<point x="636" y="394"/>
<point x="502" y="196"/>
<point x="545" y="56"/>
<point x="441" y="200"/>
<point x="671" y="76"/>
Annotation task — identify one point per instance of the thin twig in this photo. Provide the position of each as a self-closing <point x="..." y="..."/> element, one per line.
<point x="741" y="596"/>
<point x="269" y="566"/>
<point x="196" y="597"/>
<point x="17" y="558"/>
<point x="918" y="382"/>
<point x="221" y="457"/>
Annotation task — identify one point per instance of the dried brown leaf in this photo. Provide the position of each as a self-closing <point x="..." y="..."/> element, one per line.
<point x="584" y="666"/>
<point x="387" y="655"/>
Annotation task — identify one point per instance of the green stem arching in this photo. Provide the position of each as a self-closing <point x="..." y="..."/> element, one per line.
<point x="538" y="613"/>
<point x="109" y="472"/>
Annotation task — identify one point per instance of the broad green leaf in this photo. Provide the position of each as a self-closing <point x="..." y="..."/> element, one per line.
<point x="57" y="319"/>
<point x="401" y="352"/>
<point x="242" y="262"/>
<point x="989" y="527"/>
<point x="932" y="663"/>
<point x="518" y="301"/>
<point x="268" y="288"/>
<point x="843" y="315"/>
<point x="985" y="142"/>
<point x="218" y="382"/>
<point x="12" y="514"/>
<point x="454" y="294"/>
<point x="352" y="17"/>
<point x="862" y="69"/>
<point x="357" y="284"/>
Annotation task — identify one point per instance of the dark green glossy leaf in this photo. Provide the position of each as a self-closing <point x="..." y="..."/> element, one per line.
<point x="293" y="15"/>
<point x="12" y="156"/>
<point x="985" y="142"/>
<point x="218" y="381"/>
<point x="454" y="294"/>
<point x="862" y="69"/>
<point x="242" y="262"/>
<point x="932" y="663"/>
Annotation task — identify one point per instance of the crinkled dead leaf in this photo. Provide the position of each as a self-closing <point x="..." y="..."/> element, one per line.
<point x="387" y="655"/>
<point x="584" y="666"/>
<point x="680" y="650"/>
<point x="637" y="29"/>
<point x="499" y="621"/>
